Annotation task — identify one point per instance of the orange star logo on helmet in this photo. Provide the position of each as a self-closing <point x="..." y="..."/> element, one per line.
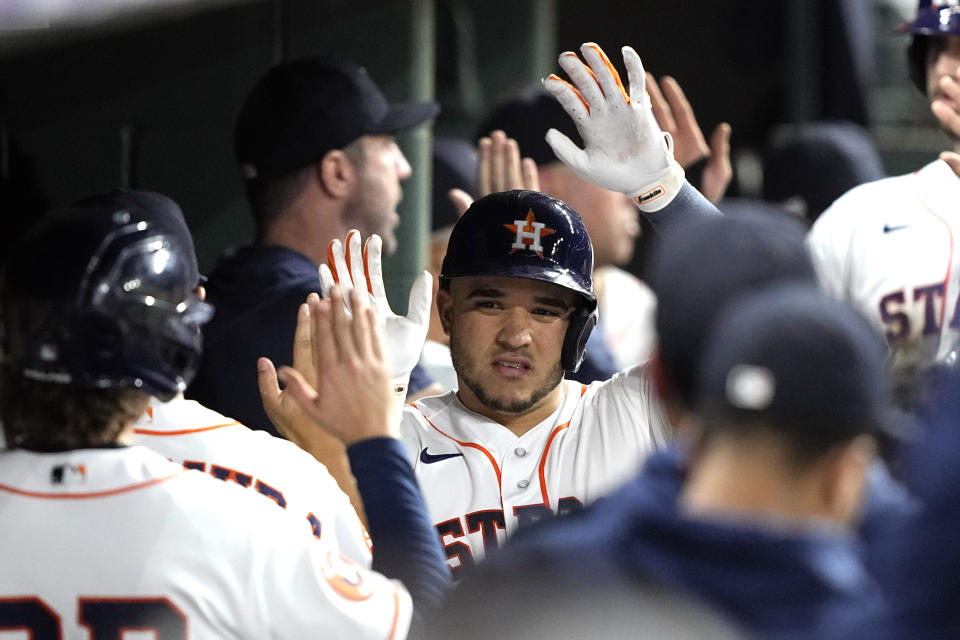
<point x="529" y="232"/>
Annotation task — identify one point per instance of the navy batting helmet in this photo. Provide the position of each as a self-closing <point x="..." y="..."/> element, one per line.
<point x="102" y="296"/>
<point x="934" y="17"/>
<point x="526" y="234"/>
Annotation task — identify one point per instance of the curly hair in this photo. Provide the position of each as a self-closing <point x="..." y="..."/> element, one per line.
<point x="52" y="417"/>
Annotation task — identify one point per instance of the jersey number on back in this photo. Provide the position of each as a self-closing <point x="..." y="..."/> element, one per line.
<point x="104" y="617"/>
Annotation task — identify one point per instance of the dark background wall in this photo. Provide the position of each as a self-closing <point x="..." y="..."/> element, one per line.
<point x="148" y="99"/>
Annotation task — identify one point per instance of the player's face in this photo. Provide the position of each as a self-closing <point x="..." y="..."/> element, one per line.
<point x="943" y="58"/>
<point x="373" y="207"/>
<point x="506" y="336"/>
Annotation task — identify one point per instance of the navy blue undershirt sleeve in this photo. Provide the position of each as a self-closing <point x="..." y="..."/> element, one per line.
<point x="405" y="543"/>
<point x="687" y="207"/>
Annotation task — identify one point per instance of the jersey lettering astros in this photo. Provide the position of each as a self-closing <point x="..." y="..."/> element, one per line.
<point x="481" y="482"/>
<point x="892" y="249"/>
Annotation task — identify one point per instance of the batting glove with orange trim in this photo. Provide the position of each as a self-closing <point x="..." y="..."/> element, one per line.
<point x="403" y="335"/>
<point x="625" y="149"/>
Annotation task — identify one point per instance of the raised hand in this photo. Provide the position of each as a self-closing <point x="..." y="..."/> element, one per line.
<point x="293" y="423"/>
<point x="353" y="397"/>
<point x="499" y="168"/>
<point x="676" y="117"/>
<point x="404" y="336"/>
<point x="282" y="409"/>
<point x="625" y="149"/>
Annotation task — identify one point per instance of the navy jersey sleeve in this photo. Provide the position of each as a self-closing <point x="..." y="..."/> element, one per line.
<point x="688" y="206"/>
<point x="405" y="544"/>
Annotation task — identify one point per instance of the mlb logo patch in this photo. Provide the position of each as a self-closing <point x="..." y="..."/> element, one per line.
<point x="68" y="474"/>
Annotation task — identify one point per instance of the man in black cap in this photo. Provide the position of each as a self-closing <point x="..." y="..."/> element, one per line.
<point x="314" y="141"/>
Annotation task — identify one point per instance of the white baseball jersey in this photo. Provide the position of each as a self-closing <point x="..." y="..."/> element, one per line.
<point x="892" y="248"/>
<point x="119" y="542"/>
<point x="187" y="432"/>
<point x="480" y="481"/>
<point x="627" y="310"/>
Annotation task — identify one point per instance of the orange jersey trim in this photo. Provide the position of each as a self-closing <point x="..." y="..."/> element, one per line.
<point x="92" y="494"/>
<point x="543" y="463"/>
<point x="543" y="457"/>
<point x="472" y="445"/>
<point x="182" y="432"/>
<point x="946" y="279"/>
<point x="396" y="614"/>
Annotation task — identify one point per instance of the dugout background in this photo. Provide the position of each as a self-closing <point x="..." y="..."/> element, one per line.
<point x="145" y="97"/>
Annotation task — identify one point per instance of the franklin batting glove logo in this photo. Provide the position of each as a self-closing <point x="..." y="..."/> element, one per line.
<point x="529" y="232"/>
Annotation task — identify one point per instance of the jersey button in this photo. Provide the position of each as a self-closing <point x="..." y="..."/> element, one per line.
<point x="520" y="451"/>
<point x="523" y="484"/>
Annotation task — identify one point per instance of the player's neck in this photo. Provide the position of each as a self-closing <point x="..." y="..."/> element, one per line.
<point x="306" y="227"/>
<point x="518" y="423"/>
<point x="740" y="483"/>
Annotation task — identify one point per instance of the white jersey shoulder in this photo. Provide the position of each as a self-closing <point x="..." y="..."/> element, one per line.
<point x="480" y="481"/>
<point x="201" y="439"/>
<point x="627" y="310"/>
<point x="98" y="540"/>
<point x="892" y="248"/>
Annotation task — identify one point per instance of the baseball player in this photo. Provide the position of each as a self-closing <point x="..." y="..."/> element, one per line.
<point x="106" y="537"/>
<point x="890" y="247"/>
<point x="517" y="442"/>
<point x="200" y="438"/>
<point x="756" y="521"/>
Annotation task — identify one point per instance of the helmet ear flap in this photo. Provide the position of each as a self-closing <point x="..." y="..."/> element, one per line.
<point x="582" y="322"/>
<point x="917" y="62"/>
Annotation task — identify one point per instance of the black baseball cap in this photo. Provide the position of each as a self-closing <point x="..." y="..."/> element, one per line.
<point x="304" y="108"/>
<point x="799" y="361"/>
<point x="526" y="117"/>
<point x="697" y="269"/>
<point x="818" y="162"/>
<point x="150" y="206"/>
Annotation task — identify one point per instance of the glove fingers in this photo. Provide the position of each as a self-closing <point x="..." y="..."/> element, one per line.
<point x="569" y="98"/>
<point x="564" y="148"/>
<point x="605" y="73"/>
<point x="636" y="76"/>
<point x="372" y="252"/>
<point x="354" y="260"/>
<point x="327" y="280"/>
<point x="418" y="305"/>
<point x="341" y="272"/>
<point x="583" y="79"/>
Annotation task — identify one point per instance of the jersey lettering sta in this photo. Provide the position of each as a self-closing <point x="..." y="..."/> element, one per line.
<point x="189" y="433"/>
<point x="892" y="249"/>
<point x="104" y="541"/>
<point x="480" y="481"/>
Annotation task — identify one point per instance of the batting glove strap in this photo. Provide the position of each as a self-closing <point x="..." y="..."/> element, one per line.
<point x="400" y="385"/>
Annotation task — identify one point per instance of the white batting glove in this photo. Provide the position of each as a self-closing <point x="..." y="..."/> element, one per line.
<point x="625" y="150"/>
<point x="403" y="335"/>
